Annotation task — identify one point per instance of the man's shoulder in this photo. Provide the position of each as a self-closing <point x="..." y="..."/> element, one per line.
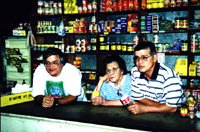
<point x="70" y="68"/>
<point x="40" y="67"/>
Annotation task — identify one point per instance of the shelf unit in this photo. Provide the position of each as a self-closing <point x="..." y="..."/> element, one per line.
<point x="18" y="66"/>
<point x="69" y="38"/>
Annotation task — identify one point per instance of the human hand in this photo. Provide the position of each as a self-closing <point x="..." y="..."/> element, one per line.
<point x="99" y="100"/>
<point x="136" y="108"/>
<point x="105" y="78"/>
<point x="48" y="101"/>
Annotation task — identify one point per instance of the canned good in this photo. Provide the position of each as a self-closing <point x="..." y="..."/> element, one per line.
<point x="78" y="42"/>
<point x="80" y="9"/>
<point x="72" y="49"/>
<point x="89" y="8"/>
<point x="130" y="47"/>
<point x="184" y="46"/>
<point x="40" y="11"/>
<point x="93" y="47"/>
<point x="159" y="47"/>
<point x="83" y="48"/>
<point x="102" y="46"/>
<point x="124" y="47"/>
<point x="78" y="48"/>
<point x="40" y="3"/>
<point x="113" y="46"/>
<point x="83" y="42"/>
<point x="94" y="6"/>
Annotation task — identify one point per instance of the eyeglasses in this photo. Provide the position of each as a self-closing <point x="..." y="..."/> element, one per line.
<point x="114" y="69"/>
<point x="143" y="58"/>
<point x="54" y="63"/>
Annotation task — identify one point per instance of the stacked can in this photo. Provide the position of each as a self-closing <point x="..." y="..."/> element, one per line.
<point x="155" y="23"/>
<point x="49" y="8"/>
<point x="149" y="23"/>
<point x="93" y="25"/>
<point x="93" y="43"/>
<point x="83" y="45"/>
<point x="184" y="46"/>
<point x="103" y="42"/>
<point x="154" y="4"/>
<point x="194" y="43"/>
<point x="198" y="71"/>
<point x="143" y="23"/>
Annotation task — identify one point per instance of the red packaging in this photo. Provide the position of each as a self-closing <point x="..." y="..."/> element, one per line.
<point x="120" y="4"/>
<point x="80" y="9"/>
<point x="84" y="29"/>
<point x="82" y="23"/>
<point x="136" y="5"/>
<point x="75" y="30"/>
<point x="143" y="4"/>
<point x="125" y="5"/>
<point x="115" y="6"/>
<point x="85" y="3"/>
<point x="130" y="5"/>
<point x="109" y="5"/>
<point x="89" y="8"/>
<point x="84" y="9"/>
<point x="80" y="29"/>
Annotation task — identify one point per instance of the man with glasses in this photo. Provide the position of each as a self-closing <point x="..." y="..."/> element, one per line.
<point x="55" y="81"/>
<point x="155" y="87"/>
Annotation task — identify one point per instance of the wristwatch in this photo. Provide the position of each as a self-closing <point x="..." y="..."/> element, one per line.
<point x="56" y="103"/>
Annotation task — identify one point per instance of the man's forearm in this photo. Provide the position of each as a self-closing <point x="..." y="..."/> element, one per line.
<point x="39" y="98"/>
<point x="152" y="106"/>
<point x="148" y="102"/>
<point x="67" y="99"/>
<point x="163" y="108"/>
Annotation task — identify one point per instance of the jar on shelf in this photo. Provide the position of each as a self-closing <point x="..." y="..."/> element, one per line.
<point x="192" y="83"/>
<point x="184" y="46"/>
<point x="177" y="23"/>
<point x="184" y="23"/>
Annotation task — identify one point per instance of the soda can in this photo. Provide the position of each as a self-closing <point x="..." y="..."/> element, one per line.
<point x="126" y="100"/>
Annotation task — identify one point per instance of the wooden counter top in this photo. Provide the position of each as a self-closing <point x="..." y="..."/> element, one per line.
<point x="112" y="116"/>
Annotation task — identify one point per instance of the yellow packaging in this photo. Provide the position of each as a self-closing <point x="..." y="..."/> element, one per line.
<point x="74" y="9"/>
<point x="95" y="94"/>
<point x="70" y="29"/>
<point x="192" y="70"/>
<point x="16" y="99"/>
<point x="181" y="67"/>
<point x="74" y="2"/>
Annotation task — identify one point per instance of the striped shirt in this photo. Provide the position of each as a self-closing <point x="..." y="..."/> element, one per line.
<point x="164" y="86"/>
<point x="110" y="92"/>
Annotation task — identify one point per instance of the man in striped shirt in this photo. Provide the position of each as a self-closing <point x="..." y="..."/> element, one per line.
<point x="155" y="87"/>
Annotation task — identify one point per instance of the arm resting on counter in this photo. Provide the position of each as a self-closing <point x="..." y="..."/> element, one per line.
<point x="49" y="101"/>
<point x="99" y="100"/>
<point x="147" y="105"/>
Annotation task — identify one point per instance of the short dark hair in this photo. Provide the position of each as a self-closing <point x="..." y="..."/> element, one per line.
<point x="114" y="58"/>
<point x="146" y="45"/>
<point x="53" y="51"/>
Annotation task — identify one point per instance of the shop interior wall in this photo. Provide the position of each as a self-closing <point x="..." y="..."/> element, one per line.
<point x="11" y="14"/>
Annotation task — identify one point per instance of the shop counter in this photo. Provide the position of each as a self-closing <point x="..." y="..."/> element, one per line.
<point x="108" y="118"/>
